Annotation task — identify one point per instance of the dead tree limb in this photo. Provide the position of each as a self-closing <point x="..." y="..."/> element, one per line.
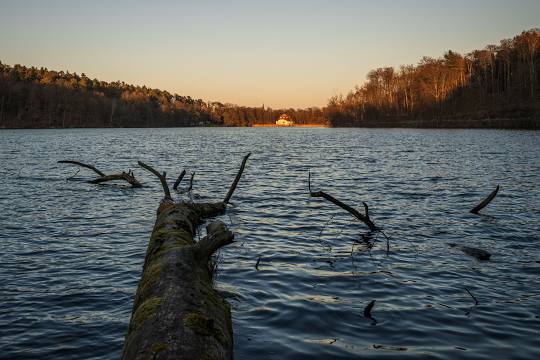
<point x="486" y="201"/>
<point x="191" y="182"/>
<point x="364" y="218"/>
<point x="179" y="179"/>
<point x="474" y="298"/>
<point x="190" y="187"/>
<point x="236" y="180"/>
<point x="93" y="168"/>
<point x="128" y="177"/>
<point x="161" y="177"/>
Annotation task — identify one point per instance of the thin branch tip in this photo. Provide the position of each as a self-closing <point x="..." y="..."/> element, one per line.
<point x="236" y="179"/>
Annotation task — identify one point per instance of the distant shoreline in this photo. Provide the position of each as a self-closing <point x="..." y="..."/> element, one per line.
<point x="295" y="125"/>
<point x="525" y="123"/>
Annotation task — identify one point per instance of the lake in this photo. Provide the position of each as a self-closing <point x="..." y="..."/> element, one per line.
<point x="72" y="252"/>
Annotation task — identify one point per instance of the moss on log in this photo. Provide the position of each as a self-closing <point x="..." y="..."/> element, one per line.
<point x="177" y="313"/>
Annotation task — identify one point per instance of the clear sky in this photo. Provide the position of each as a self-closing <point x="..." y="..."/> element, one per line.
<point x="294" y="53"/>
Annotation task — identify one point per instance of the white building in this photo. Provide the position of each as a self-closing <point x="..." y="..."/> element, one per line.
<point x="285" y="120"/>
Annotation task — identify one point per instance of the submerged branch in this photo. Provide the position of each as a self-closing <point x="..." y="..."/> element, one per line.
<point x="474" y="298"/>
<point x="123" y="176"/>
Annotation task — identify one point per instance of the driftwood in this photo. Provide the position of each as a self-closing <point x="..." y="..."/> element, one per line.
<point x="177" y="314"/>
<point x="123" y="176"/>
<point x="486" y="201"/>
<point x="363" y="218"/>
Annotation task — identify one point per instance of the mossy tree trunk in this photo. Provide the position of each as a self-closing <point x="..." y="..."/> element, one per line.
<point x="177" y="313"/>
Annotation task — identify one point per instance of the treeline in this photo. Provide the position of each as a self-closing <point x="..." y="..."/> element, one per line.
<point x="499" y="83"/>
<point x="42" y="98"/>
<point x="498" y="86"/>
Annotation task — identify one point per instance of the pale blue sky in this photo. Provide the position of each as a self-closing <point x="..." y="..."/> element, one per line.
<point x="294" y="53"/>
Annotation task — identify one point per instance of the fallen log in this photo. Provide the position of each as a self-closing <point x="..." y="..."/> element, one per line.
<point x="486" y="201"/>
<point x="177" y="314"/>
<point x="123" y="176"/>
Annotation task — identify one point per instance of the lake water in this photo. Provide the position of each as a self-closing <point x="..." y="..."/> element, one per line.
<point x="72" y="252"/>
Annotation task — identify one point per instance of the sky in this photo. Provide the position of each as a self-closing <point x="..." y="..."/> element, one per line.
<point x="295" y="53"/>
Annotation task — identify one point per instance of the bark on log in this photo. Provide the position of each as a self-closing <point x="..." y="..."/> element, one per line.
<point x="177" y="314"/>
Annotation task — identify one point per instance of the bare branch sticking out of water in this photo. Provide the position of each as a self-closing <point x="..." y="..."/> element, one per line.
<point x="367" y="312"/>
<point x="162" y="178"/>
<point x="474" y="298"/>
<point x="128" y="177"/>
<point x="190" y="187"/>
<point x="363" y="218"/>
<point x="257" y="264"/>
<point x="91" y="167"/>
<point x="236" y="180"/>
<point x="486" y="201"/>
<point x="368" y="308"/>
<point x="179" y="179"/>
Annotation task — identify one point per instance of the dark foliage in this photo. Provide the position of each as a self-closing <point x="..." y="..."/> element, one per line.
<point x="41" y="98"/>
<point x="499" y="82"/>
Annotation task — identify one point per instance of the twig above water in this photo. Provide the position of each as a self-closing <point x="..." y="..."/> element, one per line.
<point x="474" y="298"/>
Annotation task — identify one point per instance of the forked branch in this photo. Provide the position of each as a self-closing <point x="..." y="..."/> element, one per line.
<point x="128" y="177"/>
<point x="161" y="177"/>
<point x="364" y="218"/>
<point x="486" y="201"/>
<point x="236" y="180"/>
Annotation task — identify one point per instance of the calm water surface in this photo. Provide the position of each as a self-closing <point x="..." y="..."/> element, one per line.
<point x="72" y="253"/>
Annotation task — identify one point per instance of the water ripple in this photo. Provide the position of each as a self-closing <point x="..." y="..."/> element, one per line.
<point x="73" y="252"/>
